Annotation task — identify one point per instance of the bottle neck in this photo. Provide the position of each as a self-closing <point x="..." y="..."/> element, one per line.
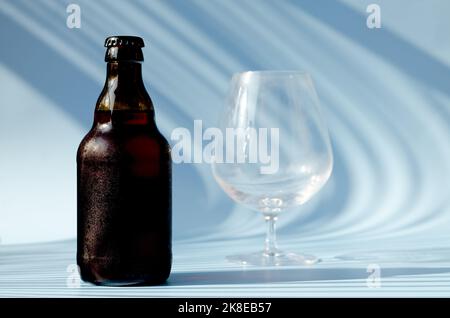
<point x="124" y="88"/>
<point x="125" y="73"/>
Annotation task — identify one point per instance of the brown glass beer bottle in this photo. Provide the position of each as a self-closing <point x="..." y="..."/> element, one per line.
<point x="124" y="180"/>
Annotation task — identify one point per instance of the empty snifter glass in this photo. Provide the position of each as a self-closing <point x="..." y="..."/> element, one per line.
<point x="277" y="152"/>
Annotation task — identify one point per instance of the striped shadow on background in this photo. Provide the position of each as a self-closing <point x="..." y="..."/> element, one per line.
<point x="385" y="94"/>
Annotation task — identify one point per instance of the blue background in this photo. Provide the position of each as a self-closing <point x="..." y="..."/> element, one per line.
<point x="385" y="94"/>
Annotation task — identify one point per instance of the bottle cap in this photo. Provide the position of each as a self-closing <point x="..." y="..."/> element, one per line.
<point x="124" y="48"/>
<point x="120" y="40"/>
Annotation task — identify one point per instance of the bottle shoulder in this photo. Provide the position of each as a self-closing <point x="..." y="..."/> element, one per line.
<point x="96" y="145"/>
<point x="110" y="144"/>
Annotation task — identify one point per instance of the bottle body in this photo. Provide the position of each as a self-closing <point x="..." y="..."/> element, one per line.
<point x="124" y="191"/>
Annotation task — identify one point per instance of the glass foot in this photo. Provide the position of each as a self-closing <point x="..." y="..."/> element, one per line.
<point x="279" y="258"/>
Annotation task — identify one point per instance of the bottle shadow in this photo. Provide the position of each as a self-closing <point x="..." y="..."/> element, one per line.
<point x="259" y="276"/>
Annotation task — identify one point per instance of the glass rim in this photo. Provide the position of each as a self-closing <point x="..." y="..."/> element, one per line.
<point x="273" y="73"/>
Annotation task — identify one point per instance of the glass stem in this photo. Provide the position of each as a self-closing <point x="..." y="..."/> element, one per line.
<point x="270" y="248"/>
